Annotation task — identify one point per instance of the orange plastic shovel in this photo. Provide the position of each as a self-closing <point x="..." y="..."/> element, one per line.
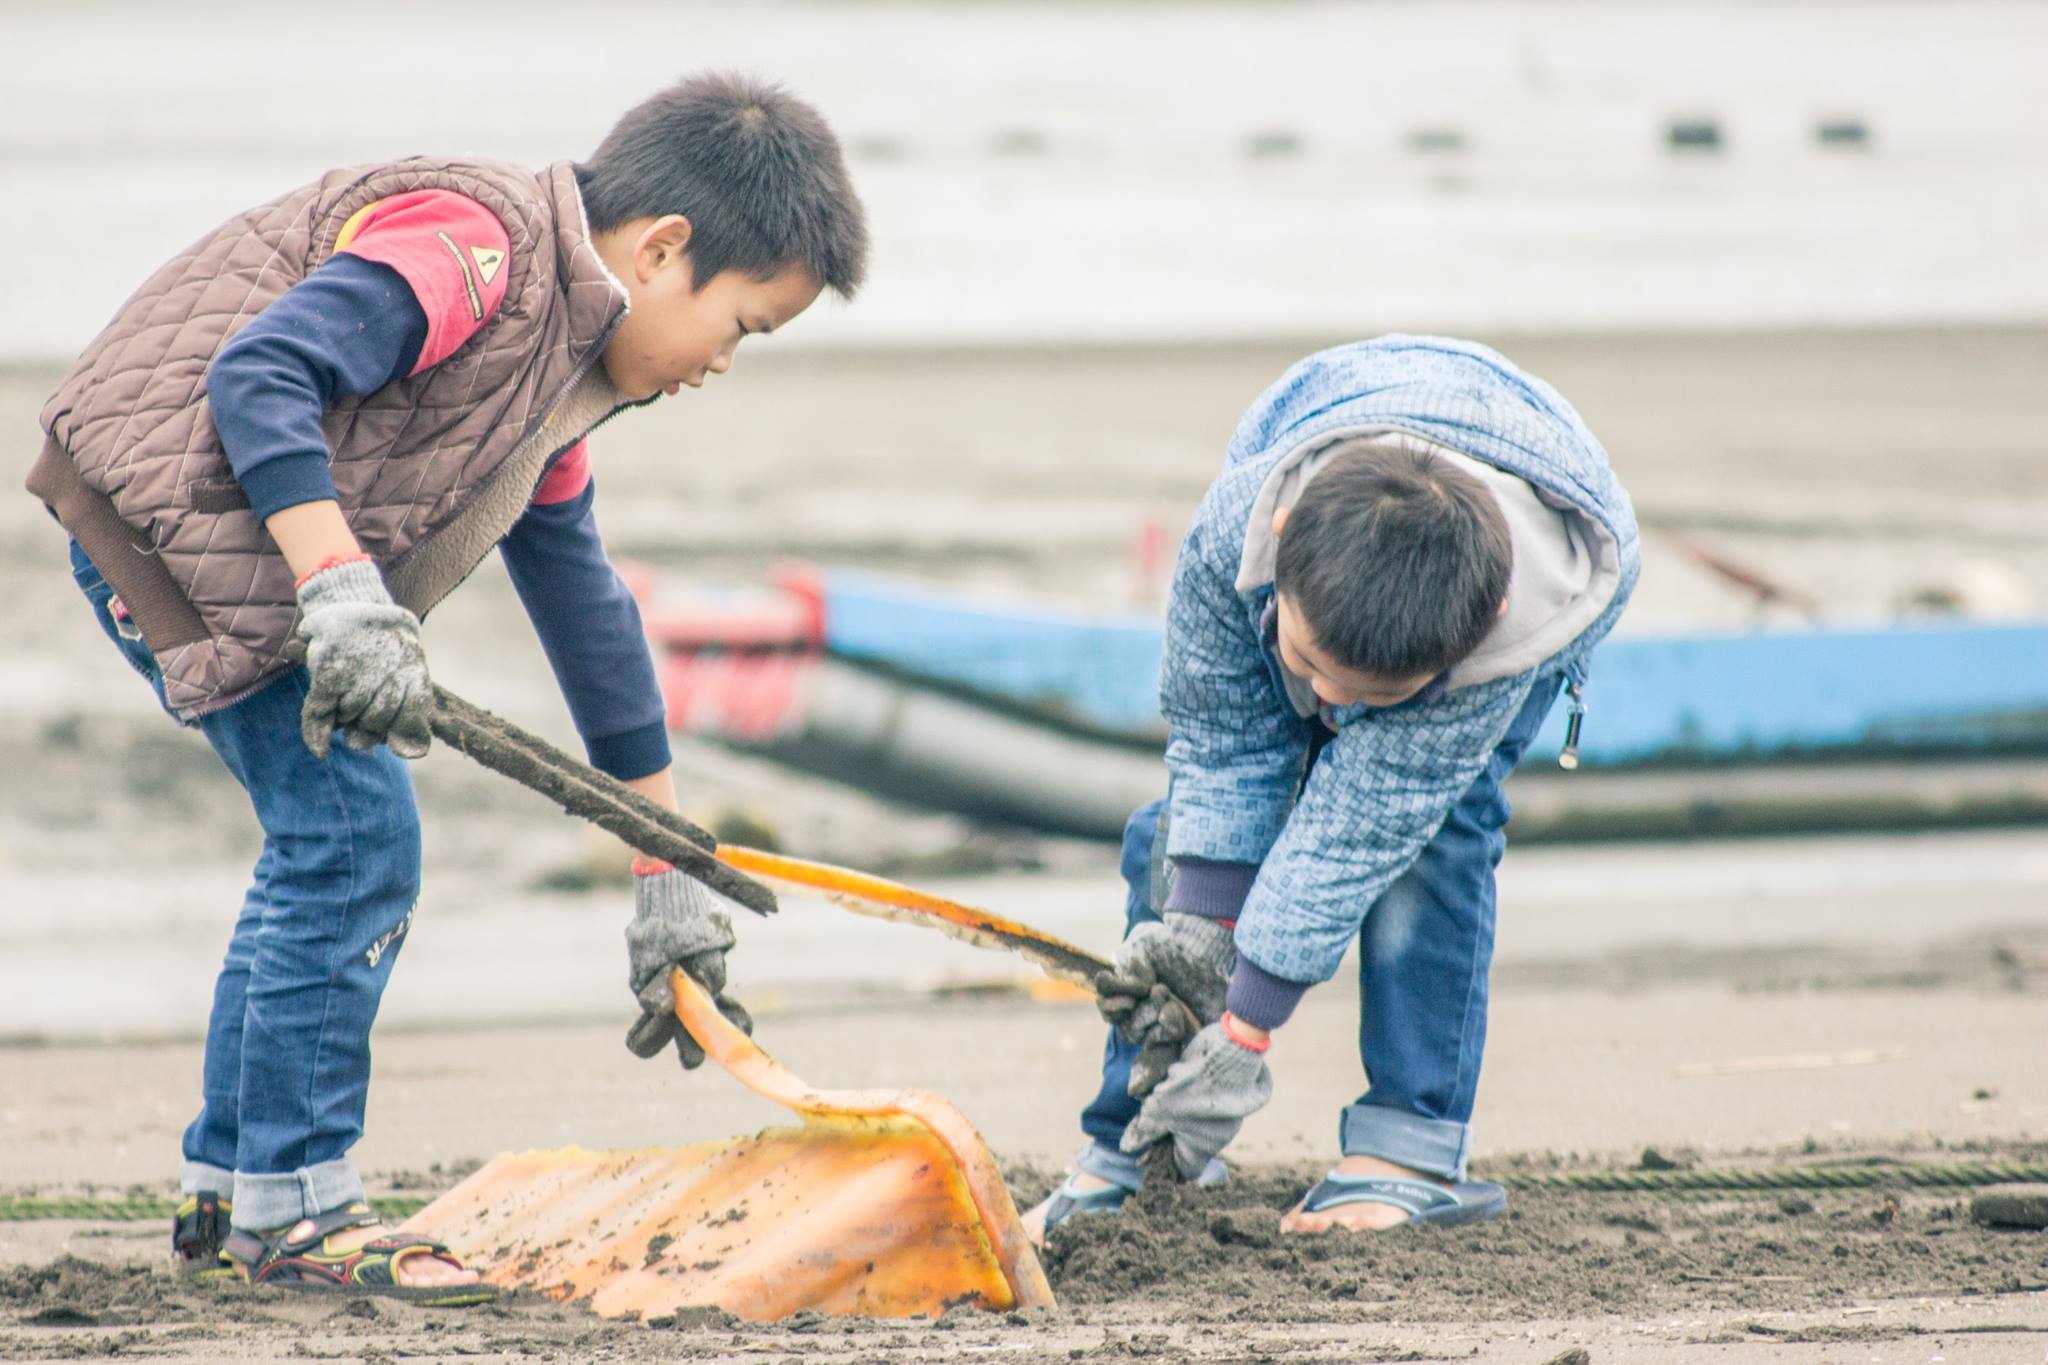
<point x="883" y="899"/>
<point x="884" y="1202"/>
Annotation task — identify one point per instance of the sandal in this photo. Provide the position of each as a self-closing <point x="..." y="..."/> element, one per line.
<point x="296" y="1257"/>
<point x="198" y="1230"/>
<point x="1067" y="1201"/>
<point x="1472" y="1201"/>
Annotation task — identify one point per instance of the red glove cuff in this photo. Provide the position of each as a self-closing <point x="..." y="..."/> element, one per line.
<point x="1231" y="1024"/>
<point x="331" y="562"/>
<point x="650" y="867"/>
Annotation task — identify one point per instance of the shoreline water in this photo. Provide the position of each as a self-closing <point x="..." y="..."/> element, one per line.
<point x="1129" y="169"/>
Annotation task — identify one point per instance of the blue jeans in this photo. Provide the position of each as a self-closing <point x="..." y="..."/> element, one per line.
<point x="287" y="1067"/>
<point x="1425" y="951"/>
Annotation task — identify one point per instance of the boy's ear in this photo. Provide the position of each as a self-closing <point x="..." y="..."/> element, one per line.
<point x="663" y="241"/>
<point x="1280" y="521"/>
<point x="1501" y="610"/>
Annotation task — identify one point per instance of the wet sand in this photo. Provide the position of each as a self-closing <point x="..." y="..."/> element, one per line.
<point x="1204" y="1276"/>
<point x="1756" y="1063"/>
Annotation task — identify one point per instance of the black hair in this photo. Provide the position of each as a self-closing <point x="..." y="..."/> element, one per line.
<point x="756" y="170"/>
<point x="1396" y="561"/>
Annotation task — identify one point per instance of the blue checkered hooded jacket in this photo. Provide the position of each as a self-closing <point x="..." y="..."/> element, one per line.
<point x="1389" y="777"/>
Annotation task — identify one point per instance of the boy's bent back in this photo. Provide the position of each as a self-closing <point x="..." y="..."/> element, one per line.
<point x="133" y="462"/>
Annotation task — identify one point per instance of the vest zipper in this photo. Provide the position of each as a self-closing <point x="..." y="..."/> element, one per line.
<point x="635" y="403"/>
<point x="577" y="378"/>
<point x="583" y="367"/>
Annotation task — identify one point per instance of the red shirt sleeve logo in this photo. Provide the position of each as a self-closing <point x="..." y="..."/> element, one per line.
<point x="487" y="259"/>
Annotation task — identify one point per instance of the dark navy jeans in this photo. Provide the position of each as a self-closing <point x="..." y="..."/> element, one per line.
<point x="1425" y="950"/>
<point x="287" y="1066"/>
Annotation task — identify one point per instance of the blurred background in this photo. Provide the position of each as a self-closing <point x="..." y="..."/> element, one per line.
<point x="1152" y="172"/>
<point x="1788" y="260"/>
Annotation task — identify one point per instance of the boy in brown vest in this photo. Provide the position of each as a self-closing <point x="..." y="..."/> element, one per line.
<point x="299" y="435"/>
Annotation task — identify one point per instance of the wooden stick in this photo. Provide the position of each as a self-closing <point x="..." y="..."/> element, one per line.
<point x="598" y="797"/>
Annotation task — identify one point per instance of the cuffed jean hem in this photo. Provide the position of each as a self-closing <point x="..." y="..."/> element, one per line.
<point x="1434" y="1146"/>
<point x="197" y="1175"/>
<point x="1119" y="1168"/>
<point x="264" y="1202"/>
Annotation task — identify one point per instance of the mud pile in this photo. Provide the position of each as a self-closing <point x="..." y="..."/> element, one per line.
<point x="70" y="1292"/>
<point x="1220" y="1253"/>
<point x="1204" y="1277"/>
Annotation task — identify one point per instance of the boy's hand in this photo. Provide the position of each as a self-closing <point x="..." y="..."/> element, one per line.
<point x="1170" y="1026"/>
<point x="677" y="922"/>
<point x="369" y="671"/>
<point x="1217" y="1084"/>
<point x="1189" y="956"/>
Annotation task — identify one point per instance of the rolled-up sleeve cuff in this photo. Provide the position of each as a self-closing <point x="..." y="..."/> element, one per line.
<point x="634" y="753"/>
<point x="1213" y="890"/>
<point x="1260" y="998"/>
<point x="286" y="481"/>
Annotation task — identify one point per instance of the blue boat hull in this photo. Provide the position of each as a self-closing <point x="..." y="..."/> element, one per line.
<point x="1776" y="694"/>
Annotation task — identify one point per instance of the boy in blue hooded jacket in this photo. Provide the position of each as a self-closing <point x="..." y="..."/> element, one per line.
<point x="1412" y="549"/>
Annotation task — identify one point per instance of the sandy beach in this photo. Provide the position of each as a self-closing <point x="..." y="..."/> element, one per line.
<point x="1760" y="1003"/>
<point x="1785" y="259"/>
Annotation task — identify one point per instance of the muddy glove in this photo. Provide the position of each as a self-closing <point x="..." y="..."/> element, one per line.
<point x="369" y="671"/>
<point x="677" y="922"/>
<point x="1217" y="1084"/>
<point x="1182" y="958"/>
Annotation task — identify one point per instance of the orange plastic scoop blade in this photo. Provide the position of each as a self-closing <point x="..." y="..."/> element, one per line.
<point x="883" y="899"/>
<point x="885" y="1203"/>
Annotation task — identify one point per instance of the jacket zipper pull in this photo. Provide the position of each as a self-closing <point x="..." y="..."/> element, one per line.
<point x="1568" y="757"/>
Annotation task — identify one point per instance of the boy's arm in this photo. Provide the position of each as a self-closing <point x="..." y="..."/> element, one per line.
<point x="397" y="297"/>
<point x="658" y="787"/>
<point x="310" y="534"/>
<point x="1234" y="752"/>
<point x="347" y="329"/>
<point x="588" y="624"/>
<point x="1235" y="747"/>
<point x="1378" y="795"/>
<point x="392" y="301"/>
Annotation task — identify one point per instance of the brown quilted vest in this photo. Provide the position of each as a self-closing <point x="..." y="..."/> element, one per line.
<point x="431" y="470"/>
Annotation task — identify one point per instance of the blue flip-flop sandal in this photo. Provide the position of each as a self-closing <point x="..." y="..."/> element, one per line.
<point x="1472" y="1201"/>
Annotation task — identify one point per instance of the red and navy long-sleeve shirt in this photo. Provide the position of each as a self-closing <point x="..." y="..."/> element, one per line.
<point x="412" y="278"/>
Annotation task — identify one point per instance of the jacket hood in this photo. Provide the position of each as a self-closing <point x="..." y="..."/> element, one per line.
<point x="1577" y="550"/>
<point x="1567" y="564"/>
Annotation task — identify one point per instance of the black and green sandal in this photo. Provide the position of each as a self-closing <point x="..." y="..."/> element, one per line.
<point x="297" y="1257"/>
<point x="198" y="1230"/>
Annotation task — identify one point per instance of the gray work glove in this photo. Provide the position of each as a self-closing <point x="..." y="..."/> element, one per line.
<point x="1216" y="1085"/>
<point x="1169" y="979"/>
<point x="677" y="922"/>
<point x="369" y="671"/>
